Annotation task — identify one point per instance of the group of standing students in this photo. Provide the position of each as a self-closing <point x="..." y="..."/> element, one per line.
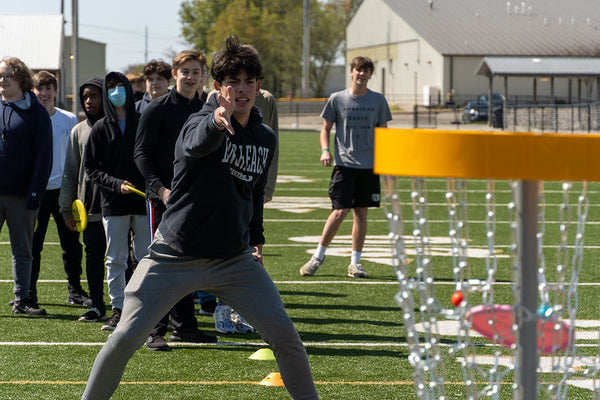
<point x="201" y="224"/>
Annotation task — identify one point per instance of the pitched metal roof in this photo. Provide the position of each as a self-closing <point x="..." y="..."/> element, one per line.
<point x="36" y="39"/>
<point x="539" y="66"/>
<point x="559" y="28"/>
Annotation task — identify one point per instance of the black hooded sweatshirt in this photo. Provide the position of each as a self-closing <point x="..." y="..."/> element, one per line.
<point x="215" y="209"/>
<point x="158" y="130"/>
<point x="109" y="156"/>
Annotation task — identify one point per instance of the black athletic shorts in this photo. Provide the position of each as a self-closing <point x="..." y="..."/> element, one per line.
<point x="353" y="187"/>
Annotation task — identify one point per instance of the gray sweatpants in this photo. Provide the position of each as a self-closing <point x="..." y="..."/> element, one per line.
<point x="164" y="277"/>
<point x="21" y="223"/>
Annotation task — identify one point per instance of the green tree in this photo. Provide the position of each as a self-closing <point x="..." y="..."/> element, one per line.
<point x="197" y="17"/>
<point x="275" y="28"/>
<point x="325" y="41"/>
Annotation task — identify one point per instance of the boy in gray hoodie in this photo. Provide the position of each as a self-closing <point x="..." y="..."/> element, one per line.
<point x="77" y="185"/>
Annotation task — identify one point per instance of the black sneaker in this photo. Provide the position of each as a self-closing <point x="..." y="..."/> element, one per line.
<point x="208" y="308"/>
<point x="157" y="343"/>
<point x="111" y="324"/>
<point x="27" y="307"/>
<point x="193" y="337"/>
<point x="79" y="297"/>
<point x="93" y="315"/>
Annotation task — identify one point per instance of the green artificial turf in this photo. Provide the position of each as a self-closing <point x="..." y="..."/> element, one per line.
<point x="353" y="329"/>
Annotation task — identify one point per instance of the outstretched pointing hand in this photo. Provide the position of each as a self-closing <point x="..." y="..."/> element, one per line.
<point x="224" y="112"/>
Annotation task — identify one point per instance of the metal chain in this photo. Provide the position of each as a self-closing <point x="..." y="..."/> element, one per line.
<point x="555" y="303"/>
<point x="419" y="291"/>
<point x="426" y="359"/>
<point x="458" y="234"/>
<point x="426" y="289"/>
<point x="572" y="297"/>
<point x="514" y="250"/>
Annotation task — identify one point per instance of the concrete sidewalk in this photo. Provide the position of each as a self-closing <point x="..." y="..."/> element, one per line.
<point x="314" y="122"/>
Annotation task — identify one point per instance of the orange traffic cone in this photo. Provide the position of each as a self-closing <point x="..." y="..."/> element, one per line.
<point x="273" y="379"/>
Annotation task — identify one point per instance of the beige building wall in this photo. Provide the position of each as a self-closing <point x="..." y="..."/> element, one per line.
<point x="92" y="62"/>
<point x="404" y="62"/>
<point x="406" y="65"/>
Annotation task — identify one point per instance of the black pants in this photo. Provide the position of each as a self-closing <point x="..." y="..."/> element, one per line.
<point x="69" y="242"/>
<point x="182" y="314"/>
<point x="94" y="239"/>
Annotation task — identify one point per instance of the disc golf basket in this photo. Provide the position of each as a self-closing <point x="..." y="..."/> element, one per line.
<point x="512" y="330"/>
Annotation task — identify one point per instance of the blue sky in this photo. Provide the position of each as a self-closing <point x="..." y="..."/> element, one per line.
<point x="120" y="24"/>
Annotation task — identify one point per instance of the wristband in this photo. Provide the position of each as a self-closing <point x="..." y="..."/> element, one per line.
<point x="218" y="126"/>
<point x="324" y="151"/>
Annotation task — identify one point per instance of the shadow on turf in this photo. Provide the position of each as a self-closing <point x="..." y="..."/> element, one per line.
<point x="222" y="344"/>
<point x="49" y="315"/>
<point x="54" y="312"/>
<point x="356" y="352"/>
<point x="316" y="294"/>
<point x="342" y="307"/>
<point x="311" y="350"/>
<point x="332" y="321"/>
<point x="357" y="336"/>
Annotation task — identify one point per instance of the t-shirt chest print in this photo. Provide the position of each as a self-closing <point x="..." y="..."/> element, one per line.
<point x="357" y="117"/>
<point x="246" y="161"/>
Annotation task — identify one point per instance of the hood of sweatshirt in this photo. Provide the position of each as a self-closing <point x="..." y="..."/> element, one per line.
<point x="27" y="105"/>
<point x="99" y="83"/>
<point x="109" y="109"/>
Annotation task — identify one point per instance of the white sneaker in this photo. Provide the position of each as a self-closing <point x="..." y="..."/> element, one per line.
<point x="311" y="266"/>
<point x="222" y="317"/>
<point x="356" y="271"/>
<point x="240" y="325"/>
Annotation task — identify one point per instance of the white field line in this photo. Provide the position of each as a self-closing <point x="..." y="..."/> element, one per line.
<point x="218" y="344"/>
<point x="344" y="245"/>
<point x="255" y="344"/>
<point x="482" y="192"/>
<point x="324" y="282"/>
<point x="381" y="220"/>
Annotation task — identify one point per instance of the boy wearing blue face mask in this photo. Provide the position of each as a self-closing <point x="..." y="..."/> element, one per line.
<point x="109" y="164"/>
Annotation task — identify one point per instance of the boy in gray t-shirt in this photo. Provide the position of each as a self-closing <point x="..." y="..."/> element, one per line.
<point x="356" y="112"/>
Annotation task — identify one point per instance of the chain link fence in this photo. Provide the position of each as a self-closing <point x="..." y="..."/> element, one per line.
<point x="300" y="106"/>
<point x="552" y="118"/>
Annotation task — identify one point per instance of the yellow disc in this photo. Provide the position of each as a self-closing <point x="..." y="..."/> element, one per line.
<point x="79" y="215"/>
<point x="485" y="155"/>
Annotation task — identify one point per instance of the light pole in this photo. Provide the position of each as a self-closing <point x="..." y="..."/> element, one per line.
<point x="75" y="53"/>
<point x="305" y="51"/>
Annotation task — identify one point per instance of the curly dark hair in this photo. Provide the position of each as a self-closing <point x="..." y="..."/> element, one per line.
<point x="20" y="72"/>
<point x="235" y="57"/>
<point x="157" y="67"/>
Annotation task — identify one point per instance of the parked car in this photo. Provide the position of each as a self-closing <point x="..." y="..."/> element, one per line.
<point x="497" y="99"/>
<point x="475" y="111"/>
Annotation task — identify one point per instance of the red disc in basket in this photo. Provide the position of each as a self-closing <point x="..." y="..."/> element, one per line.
<point x="495" y="323"/>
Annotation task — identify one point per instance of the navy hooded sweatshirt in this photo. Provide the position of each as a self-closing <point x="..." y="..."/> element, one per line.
<point x="25" y="150"/>
<point x="215" y="209"/>
<point x="109" y="156"/>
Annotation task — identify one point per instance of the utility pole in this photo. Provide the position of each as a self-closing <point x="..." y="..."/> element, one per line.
<point x="62" y="90"/>
<point x="146" y="45"/>
<point x="75" y="57"/>
<point x="305" y="51"/>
